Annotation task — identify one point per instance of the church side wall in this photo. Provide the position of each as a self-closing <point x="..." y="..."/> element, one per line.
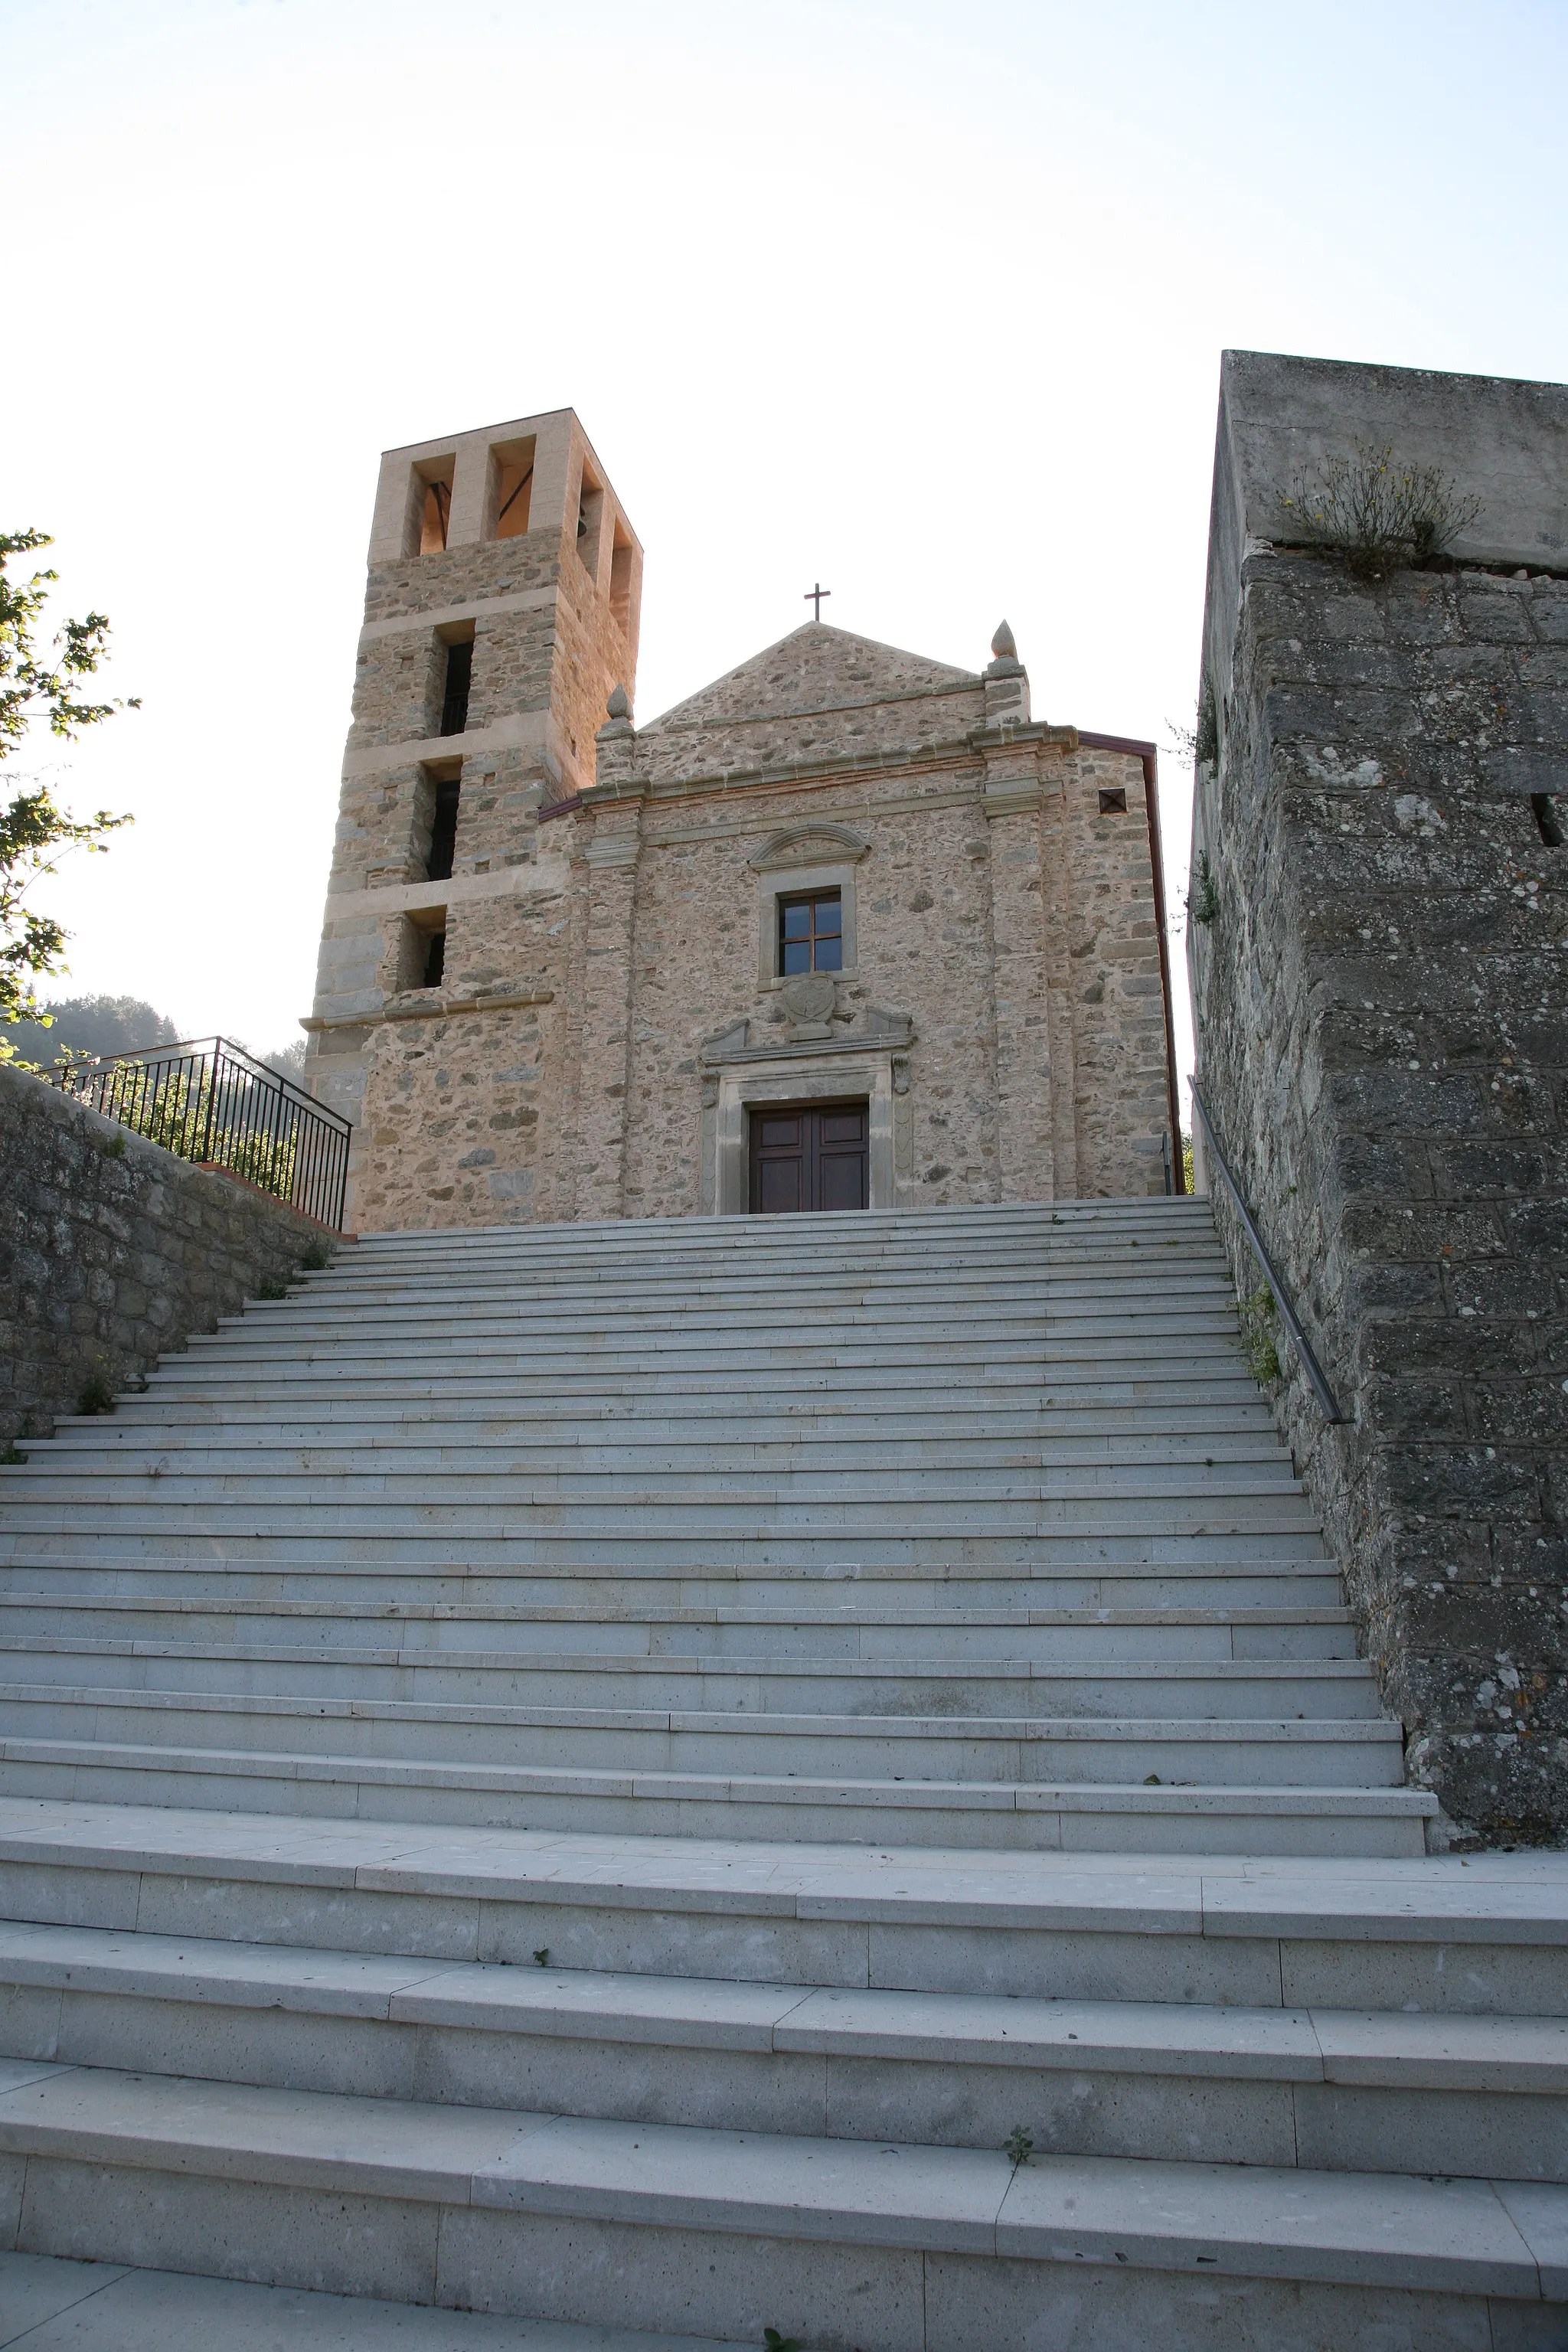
<point x="1382" y="1035"/>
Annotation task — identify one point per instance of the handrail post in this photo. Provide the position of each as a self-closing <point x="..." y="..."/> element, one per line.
<point x="1303" y="1346"/>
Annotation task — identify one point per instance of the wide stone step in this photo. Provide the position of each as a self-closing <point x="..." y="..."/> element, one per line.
<point x="634" y="1448"/>
<point x="1044" y="1638"/>
<point x="895" y="1589"/>
<point x="1069" y="1312"/>
<point x="1080" y="1816"/>
<point x="1323" y="2089"/>
<point x="594" y="1491"/>
<point x="99" y="2307"/>
<point x="151" y="1423"/>
<point x="747" y="1512"/>
<point x="1487" y="1936"/>
<point x="507" y="1674"/>
<point x="708" y="1743"/>
<point x="1144" y="1400"/>
<point x="469" y="2202"/>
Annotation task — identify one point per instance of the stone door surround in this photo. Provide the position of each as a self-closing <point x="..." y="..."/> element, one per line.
<point x="730" y="1093"/>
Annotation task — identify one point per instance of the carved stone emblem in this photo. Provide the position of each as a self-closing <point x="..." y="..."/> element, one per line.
<point x="810" y="999"/>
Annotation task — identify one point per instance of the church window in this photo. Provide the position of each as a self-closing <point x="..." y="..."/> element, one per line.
<point x="811" y="934"/>
<point x="459" y="677"/>
<point x="443" y="828"/>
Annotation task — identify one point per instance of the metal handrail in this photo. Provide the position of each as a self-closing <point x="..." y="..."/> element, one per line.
<point x="208" y="1100"/>
<point x="1310" y="1363"/>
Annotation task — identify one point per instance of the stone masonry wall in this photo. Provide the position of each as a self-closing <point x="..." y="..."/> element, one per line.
<point x="1383" y="1036"/>
<point x="550" y="639"/>
<point x="112" y="1252"/>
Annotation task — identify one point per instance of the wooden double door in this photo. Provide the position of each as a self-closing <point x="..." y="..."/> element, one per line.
<point x="810" y="1156"/>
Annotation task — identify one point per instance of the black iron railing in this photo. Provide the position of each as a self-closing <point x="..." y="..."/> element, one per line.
<point x="210" y="1101"/>
<point x="1303" y="1346"/>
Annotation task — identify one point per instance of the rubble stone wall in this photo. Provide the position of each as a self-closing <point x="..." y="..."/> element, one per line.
<point x="112" y="1252"/>
<point x="1382" y="1012"/>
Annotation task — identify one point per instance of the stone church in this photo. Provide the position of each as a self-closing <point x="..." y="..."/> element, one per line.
<point x="849" y="929"/>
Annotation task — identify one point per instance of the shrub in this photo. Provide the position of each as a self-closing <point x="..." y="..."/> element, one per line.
<point x="98" y="1393"/>
<point x="1370" y="512"/>
<point x="1202" y="899"/>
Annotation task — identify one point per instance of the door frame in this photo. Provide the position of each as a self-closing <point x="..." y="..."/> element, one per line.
<point x="803" y="1078"/>
<point x="811" y="1162"/>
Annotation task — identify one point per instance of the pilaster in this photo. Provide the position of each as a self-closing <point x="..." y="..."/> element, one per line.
<point x="1025" y="1137"/>
<point x="612" y="851"/>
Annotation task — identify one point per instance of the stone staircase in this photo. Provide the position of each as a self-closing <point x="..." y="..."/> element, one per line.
<point x="605" y="1773"/>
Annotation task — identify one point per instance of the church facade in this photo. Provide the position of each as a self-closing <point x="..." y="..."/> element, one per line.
<point x="849" y="929"/>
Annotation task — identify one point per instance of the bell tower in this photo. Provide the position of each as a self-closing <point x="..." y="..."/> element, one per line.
<point x="500" y="611"/>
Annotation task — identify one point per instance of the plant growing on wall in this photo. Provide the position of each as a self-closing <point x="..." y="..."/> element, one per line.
<point x="40" y="686"/>
<point x="1202" y="899"/>
<point x="1256" y="1315"/>
<point x="1371" y="511"/>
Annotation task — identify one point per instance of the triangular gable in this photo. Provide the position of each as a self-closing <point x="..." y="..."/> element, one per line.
<point x="816" y="668"/>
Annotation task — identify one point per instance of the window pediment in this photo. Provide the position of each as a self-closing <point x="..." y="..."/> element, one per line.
<point x="809" y="844"/>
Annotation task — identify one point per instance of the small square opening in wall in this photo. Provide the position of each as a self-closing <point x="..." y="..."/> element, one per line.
<point x="422" y="949"/>
<point x="1113" y="799"/>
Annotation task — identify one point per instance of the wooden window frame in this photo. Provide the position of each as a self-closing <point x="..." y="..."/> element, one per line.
<point x="811" y="900"/>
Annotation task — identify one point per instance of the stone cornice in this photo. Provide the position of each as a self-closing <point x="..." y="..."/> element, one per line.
<point x="431" y="1004"/>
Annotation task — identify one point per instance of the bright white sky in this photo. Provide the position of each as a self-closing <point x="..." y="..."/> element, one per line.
<point x="922" y="301"/>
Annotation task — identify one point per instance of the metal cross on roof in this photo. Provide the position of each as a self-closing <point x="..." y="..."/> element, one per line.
<point x="814" y="597"/>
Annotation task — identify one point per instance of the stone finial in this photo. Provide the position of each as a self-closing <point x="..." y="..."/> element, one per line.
<point x="619" y="721"/>
<point x="1005" y="648"/>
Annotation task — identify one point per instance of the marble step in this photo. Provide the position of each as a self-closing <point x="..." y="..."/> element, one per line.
<point x="873" y="1337"/>
<point x="1042" y="1640"/>
<point x="1478" y="1936"/>
<point x="1324" y="2089"/>
<point x="564" y="1249"/>
<point x="52" y="2303"/>
<point x="1176" y="1398"/>
<point x="1079" y="1816"/>
<point x="649" y="1439"/>
<point x="608" y="1485"/>
<point x="149" y="1421"/>
<point x="698" y="1594"/>
<point x="378" y="1578"/>
<point x="904" y="2237"/>
<point x="508" y="1673"/>
<point x="1185" y="1302"/>
<point x="628" y="1739"/>
<point x="579" y="1505"/>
